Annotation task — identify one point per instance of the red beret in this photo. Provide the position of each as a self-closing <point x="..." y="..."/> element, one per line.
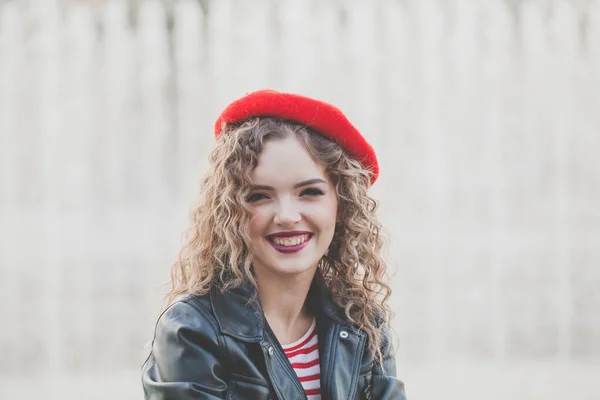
<point x="322" y="117"/>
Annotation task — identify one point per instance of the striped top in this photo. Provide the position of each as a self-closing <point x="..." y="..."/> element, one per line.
<point x="304" y="357"/>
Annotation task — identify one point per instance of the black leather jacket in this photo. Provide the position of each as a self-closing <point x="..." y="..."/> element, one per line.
<point x="218" y="346"/>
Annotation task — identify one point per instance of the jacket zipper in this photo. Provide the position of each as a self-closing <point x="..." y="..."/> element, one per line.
<point x="366" y="369"/>
<point x="367" y="389"/>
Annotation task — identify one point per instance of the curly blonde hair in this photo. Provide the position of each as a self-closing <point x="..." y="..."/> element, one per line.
<point x="353" y="269"/>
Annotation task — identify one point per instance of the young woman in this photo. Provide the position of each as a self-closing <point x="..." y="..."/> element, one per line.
<point x="278" y="292"/>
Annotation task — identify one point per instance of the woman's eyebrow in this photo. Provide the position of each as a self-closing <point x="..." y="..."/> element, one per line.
<point x="309" y="182"/>
<point x="262" y="187"/>
<point x="296" y="186"/>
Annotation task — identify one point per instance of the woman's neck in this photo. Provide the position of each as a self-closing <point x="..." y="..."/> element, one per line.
<point x="284" y="305"/>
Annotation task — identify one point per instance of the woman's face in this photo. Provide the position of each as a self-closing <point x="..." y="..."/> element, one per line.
<point x="294" y="208"/>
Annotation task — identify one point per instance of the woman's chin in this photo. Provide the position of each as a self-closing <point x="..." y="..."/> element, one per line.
<point x="291" y="269"/>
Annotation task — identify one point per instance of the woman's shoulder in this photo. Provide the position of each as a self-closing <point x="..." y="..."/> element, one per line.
<point x="186" y="348"/>
<point x="188" y="312"/>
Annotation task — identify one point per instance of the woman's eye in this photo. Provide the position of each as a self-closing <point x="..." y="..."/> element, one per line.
<point x="312" y="192"/>
<point x="256" y="197"/>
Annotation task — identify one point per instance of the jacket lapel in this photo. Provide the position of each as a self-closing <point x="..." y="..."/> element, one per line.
<point x="341" y="349"/>
<point x="238" y="313"/>
<point x="284" y="378"/>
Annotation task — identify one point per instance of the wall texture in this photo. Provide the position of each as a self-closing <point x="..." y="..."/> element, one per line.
<point x="485" y="116"/>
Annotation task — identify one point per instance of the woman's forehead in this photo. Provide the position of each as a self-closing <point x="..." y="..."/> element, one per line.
<point x="285" y="161"/>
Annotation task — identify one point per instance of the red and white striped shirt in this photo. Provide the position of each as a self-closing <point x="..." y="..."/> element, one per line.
<point x="304" y="357"/>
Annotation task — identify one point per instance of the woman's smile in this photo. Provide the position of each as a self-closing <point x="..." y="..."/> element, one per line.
<point x="284" y="243"/>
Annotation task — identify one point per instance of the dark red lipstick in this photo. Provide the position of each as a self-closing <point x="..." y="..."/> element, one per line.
<point x="289" y="249"/>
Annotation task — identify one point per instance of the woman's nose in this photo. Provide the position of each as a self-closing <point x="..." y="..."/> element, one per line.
<point x="287" y="214"/>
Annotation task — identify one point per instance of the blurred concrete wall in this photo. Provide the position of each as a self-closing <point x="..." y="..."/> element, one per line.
<point x="485" y="116"/>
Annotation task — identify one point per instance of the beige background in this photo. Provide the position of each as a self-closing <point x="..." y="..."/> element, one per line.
<point x="485" y="116"/>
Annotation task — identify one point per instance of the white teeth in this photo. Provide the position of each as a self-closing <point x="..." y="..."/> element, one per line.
<point x="290" y="241"/>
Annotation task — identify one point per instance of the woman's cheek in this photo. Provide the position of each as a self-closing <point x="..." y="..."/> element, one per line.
<point x="259" y="216"/>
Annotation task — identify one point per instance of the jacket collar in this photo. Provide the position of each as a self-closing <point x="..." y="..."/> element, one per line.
<point x="239" y="313"/>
